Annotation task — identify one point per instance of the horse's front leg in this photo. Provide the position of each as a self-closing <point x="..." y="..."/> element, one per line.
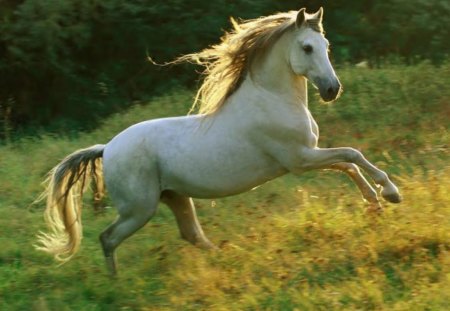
<point x="186" y="216"/>
<point x="369" y="194"/>
<point x="317" y="158"/>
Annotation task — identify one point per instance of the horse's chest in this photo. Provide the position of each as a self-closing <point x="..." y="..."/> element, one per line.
<point x="311" y="139"/>
<point x="299" y="130"/>
<point x="312" y="136"/>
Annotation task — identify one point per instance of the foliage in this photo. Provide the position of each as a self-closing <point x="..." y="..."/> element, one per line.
<point x="297" y="243"/>
<point x="398" y="101"/>
<point x="66" y="63"/>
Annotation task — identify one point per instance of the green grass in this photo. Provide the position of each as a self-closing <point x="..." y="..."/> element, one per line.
<point x="297" y="243"/>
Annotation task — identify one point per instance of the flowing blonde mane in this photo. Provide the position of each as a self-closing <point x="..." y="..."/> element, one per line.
<point x="227" y="62"/>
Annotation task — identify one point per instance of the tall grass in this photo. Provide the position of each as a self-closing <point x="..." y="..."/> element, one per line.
<point x="297" y="243"/>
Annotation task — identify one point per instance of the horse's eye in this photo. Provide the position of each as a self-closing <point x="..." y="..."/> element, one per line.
<point x="308" y="49"/>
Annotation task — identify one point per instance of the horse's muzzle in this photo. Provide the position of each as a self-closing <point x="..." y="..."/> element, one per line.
<point x="329" y="89"/>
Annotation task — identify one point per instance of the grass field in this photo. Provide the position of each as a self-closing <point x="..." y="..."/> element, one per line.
<point x="297" y="243"/>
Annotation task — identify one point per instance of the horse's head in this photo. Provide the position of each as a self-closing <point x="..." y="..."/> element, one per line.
<point x="308" y="55"/>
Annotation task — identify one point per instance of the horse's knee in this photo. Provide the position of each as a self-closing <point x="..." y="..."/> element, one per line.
<point x="352" y="169"/>
<point x="353" y="155"/>
<point x="348" y="168"/>
<point x="107" y="246"/>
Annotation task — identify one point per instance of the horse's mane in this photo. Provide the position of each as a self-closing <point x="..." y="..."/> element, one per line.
<point x="227" y="63"/>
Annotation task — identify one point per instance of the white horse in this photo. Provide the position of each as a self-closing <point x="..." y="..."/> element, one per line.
<point x="254" y="125"/>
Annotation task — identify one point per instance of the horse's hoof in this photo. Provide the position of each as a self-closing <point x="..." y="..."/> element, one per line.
<point x="374" y="209"/>
<point x="392" y="197"/>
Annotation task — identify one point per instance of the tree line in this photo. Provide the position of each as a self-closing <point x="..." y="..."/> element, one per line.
<point x="65" y="64"/>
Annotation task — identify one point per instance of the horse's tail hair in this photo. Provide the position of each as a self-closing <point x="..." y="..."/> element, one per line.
<point x="66" y="184"/>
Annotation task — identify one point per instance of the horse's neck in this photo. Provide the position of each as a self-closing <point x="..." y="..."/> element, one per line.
<point x="273" y="74"/>
<point x="270" y="87"/>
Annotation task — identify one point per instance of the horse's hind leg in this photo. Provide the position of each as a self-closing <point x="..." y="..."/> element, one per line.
<point x="188" y="224"/>
<point x="132" y="216"/>
<point x="369" y="194"/>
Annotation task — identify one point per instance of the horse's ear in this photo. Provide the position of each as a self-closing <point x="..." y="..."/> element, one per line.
<point x="301" y="18"/>
<point x="319" y="14"/>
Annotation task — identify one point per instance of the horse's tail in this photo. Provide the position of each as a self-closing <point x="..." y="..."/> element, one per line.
<point x="66" y="184"/>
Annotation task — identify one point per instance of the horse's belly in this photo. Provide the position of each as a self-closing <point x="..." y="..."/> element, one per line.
<point x="216" y="184"/>
<point x="212" y="177"/>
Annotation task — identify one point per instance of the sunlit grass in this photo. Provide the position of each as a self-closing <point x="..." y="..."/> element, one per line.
<point x="297" y="243"/>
